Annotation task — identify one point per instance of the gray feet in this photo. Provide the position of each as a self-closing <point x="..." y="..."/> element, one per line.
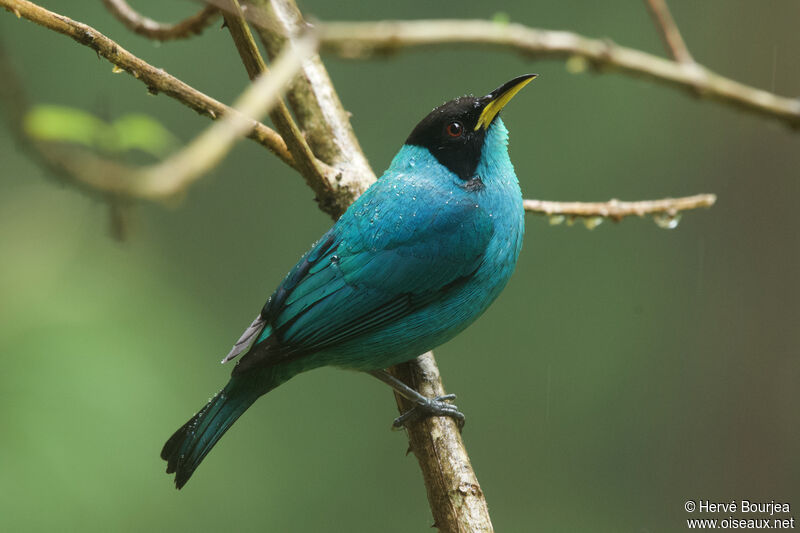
<point x="425" y="407"/>
<point x="432" y="407"/>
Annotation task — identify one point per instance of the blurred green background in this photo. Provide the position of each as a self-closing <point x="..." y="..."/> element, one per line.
<point x="623" y="371"/>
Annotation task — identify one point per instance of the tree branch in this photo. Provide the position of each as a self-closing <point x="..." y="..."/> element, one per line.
<point x="616" y="210"/>
<point x="317" y="108"/>
<point x="364" y="39"/>
<point x="158" y="31"/>
<point x="174" y="175"/>
<point x="455" y="497"/>
<point x="156" y="79"/>
<point x="669" y="31"/>
<point x="254" y="64"/>
<point x="312" y="169"/>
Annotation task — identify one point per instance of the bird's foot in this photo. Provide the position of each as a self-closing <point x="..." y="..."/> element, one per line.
<point x="438" y="406"/>
<point x="425" y="407"/>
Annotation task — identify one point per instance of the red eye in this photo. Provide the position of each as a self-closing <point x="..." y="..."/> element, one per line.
<point x="455" y="129"/>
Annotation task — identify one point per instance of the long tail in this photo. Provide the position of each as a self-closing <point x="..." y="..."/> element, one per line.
<point x="187" y="447"/>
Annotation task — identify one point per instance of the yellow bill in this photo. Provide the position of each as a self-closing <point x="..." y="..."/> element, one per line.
<point x="500" y="97"/>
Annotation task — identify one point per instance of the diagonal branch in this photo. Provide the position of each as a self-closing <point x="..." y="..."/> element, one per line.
<point x="178" y="172"/>
<point x="364" y="39"/>
<point x="308" y="165"/>
<point x="669" y="31"/>
<point x="616" y="210"/>
<point x="455" y="497"/>
<point x="156" y="79"/>
<point x="174" y="175"/>
<point x="159" y="31"/>
<point x="317" y="108"/>
<point x="254" y="64"/>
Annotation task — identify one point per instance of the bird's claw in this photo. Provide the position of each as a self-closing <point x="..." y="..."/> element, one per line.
<point x="432" y="407"/>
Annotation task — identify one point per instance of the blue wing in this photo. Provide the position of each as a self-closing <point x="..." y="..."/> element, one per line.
<point x="380" y="262"/>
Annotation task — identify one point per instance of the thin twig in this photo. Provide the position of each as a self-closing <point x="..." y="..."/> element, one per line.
<point x="307" y="164"/>
<point x="156" y="79"/>
<point x="159" y="31"/>
<point x="254" y="64"/>
<point x="617" y="210"/>
<point x="174" y="175"/>
<point x="673" y="40"/>
<point x="210" y="147"/>
<point x="317" y="109"/>
<point x="365" y="39"/>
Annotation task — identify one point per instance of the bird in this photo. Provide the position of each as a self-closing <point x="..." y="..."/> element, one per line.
<point x="417" y="258"/>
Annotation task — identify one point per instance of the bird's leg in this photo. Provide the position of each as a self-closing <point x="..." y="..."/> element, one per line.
<point x="425" y="406"/>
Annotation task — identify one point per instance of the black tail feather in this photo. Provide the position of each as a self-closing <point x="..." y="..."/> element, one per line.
<point x="191" y="443"/>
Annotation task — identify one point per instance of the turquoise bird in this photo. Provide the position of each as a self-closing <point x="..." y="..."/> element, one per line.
<point x="413" y="261"/>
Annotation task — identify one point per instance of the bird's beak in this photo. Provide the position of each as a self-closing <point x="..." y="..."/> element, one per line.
<point x="497" y="99"/>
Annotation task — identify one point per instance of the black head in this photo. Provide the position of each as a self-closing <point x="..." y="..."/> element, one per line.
<point x="450" y="135"/>
<point x="454" y="132"/>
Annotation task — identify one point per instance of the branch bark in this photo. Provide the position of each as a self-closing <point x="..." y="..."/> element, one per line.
<point x="616" y="210"/>
<point x="317" y="108"/>
<point x="455" y="497"/>
<point x="174" y="175"/>
<point x="669" y="31"/>
<point x="312" y="169"/>
<point x="156" y="79"/>
<point x="159" y="31"/>
<point x="357" y="40"/>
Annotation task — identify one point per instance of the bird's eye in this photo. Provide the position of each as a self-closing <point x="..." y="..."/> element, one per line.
<point x="455" y="129"/>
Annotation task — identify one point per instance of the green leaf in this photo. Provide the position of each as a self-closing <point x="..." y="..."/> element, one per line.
<point x="59" y="123"/>
<point x="137" y="131"/>
<point x="129" y="132"/>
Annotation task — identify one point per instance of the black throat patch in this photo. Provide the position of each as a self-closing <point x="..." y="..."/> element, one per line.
<point x="459" y="153"/>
